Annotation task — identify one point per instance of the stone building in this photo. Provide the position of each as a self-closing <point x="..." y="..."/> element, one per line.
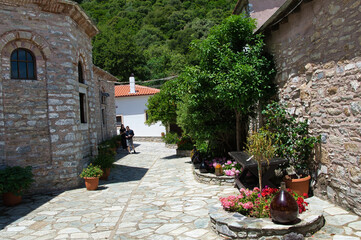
<point x="55" y="105"/>
<point x="317" y="50"/>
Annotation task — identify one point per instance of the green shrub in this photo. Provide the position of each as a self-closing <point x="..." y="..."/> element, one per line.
<point x="91" y="171"/>
<point x="104" y="160"/>
<point x="291" y="137"/>
<point x="15" y="179"/>
<point x="171" y="138"/>
<point x="185" y="143"/>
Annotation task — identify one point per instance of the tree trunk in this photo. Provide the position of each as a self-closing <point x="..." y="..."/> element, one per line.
<point x="238" y="115"/>
<point x="260" y="175"/>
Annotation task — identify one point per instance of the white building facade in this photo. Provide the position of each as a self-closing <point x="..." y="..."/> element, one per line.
<point x="131" y="110"/>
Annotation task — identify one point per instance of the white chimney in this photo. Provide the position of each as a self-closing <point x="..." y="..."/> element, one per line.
<point x="132" y="83"/>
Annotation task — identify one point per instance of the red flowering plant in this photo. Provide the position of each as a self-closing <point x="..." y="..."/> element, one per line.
<point x="256" y="203"/>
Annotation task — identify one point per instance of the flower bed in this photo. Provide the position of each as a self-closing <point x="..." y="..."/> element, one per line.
<point x="256" y="203"/>
<point x="211" y="178"/>
<point x="236" y="226"/>
<point x="229" y="167"/>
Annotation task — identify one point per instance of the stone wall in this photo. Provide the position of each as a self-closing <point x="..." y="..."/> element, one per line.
<point x="317" y="51"/>
<point x="105" y="86"/>
<point x="40" y="119"/>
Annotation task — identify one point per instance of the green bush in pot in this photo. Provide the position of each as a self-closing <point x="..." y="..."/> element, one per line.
<point x="15" y="179"/>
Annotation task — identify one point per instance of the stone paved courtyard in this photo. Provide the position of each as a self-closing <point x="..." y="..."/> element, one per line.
<point x="150" y="195"/>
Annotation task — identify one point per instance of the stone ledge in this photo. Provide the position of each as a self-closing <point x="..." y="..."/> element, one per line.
<point x="171" y="146"/>
<point x="211" y="178"/>
<point x="184" y="153"/>
<point x="236" y="226"/>
<point x="147" y="139"/>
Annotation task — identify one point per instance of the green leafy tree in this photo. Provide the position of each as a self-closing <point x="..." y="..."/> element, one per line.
<point x="118" y="54"/>
<point x="163" y="62"/>
<point x="260" y="146"/>
<point x="202" y="115"/>
<point x="233" y="75"/>
<point x="131" y="29"/>
<point x="163" y="105"/>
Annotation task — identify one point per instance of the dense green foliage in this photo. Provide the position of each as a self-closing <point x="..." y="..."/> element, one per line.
<point x="170" y="138"/>
<point x="163" y="105"/>
<point x="150" y="38"/>
<point x="224" y="88"/>
<point x="291" y="137"/>
<point x="212" y="99"/>
<point x="15" y="179"/>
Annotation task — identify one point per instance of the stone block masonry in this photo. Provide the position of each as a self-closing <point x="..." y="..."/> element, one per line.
<point x="40" y="123"/>
<point x="317" y="54"/>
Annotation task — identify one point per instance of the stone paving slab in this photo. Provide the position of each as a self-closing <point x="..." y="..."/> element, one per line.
<point x="149" y="195"/>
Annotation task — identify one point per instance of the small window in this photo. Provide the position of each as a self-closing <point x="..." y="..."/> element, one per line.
<point x="103" y="99"/>
<point x="83" y="108"/>
<point x="103" y="116"/>
<point x="22" y="64"/>
<point x="119" y="120"/>
<point x="80" y="73"/>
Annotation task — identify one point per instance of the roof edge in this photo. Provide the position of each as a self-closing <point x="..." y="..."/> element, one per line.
<point x="239" y="7"/>
<point x="70" y="8"/>
<point x="108" y="76"/>
<point x="286" y="9"/>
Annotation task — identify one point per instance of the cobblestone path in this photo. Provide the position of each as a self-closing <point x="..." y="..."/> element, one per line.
<point x="149" y="195"/>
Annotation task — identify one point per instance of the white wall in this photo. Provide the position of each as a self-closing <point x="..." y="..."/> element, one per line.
<point x="133" y="111"/>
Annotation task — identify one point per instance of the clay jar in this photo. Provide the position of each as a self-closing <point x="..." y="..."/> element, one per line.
<point x="284" y="208"/>
<point x="218" y="170"/>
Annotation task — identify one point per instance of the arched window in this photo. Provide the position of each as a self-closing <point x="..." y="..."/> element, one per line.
<point x="22" y="64"/>
<point x="80" y="73"/>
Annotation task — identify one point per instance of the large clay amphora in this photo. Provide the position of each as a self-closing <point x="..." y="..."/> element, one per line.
<point x="284" y="208"/>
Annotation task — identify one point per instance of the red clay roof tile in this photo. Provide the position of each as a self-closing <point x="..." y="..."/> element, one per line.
<point x="123" y="91"/>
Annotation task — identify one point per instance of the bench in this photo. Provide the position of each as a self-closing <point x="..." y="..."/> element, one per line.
<point x="249" y="176"/>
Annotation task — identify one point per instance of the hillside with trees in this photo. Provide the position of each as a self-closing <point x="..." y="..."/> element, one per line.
<point x="151" y="38"/>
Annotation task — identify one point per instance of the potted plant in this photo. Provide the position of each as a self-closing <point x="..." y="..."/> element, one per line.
<point x="260" y="147"/>
<point x="293" y="143"/>
<point x="184" y="146"/>
<point x="13" y="182"/>
<point x="91" y="176"/>
<point x="104" y="160"/>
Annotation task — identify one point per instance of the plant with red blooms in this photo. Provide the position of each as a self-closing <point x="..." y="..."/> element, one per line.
<point x="256" y="203"/>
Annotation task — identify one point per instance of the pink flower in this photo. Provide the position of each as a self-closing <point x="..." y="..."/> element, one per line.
<point x="248" y="205"/>
<point x="214" y="164"/>
<point x="229" y="162"/>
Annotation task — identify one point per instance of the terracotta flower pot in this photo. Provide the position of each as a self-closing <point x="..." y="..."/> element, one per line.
<point x="10" y="199"/>
<point x="91" y="183"/>
<point x="105" y="175"/>
<point x="299" y="186"/>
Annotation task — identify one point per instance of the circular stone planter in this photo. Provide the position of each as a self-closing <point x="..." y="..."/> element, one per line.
<point x="211" y="178"/>
<point x="183" y="153"/>
<point x="236" y="226"/>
